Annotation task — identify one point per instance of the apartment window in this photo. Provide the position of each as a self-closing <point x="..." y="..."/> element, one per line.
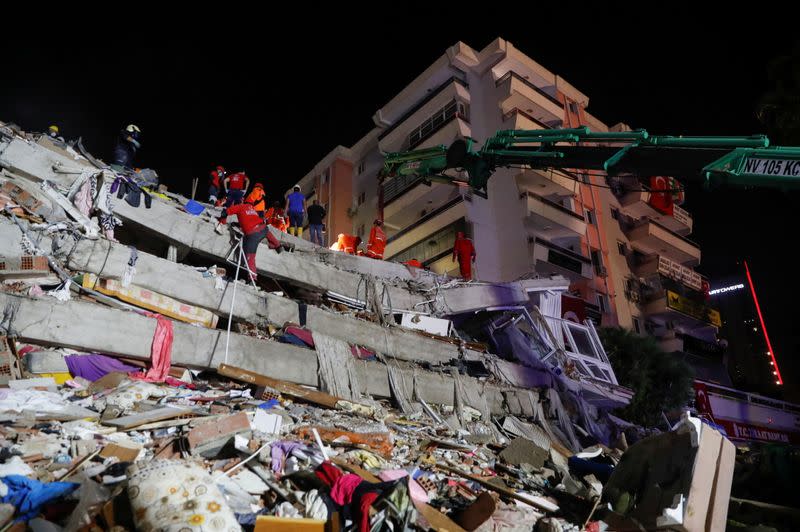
<point x="602" y="302"/>
<point x="615" y="213"/>
<point x="362" y="198"/>
<point x="361" y="166"/>
<point x="637" y="325"/>
<point x="597" y="262"/>
<point x="326" y="176"/>
<point x="586" y="179"/>
<point x="622" y="247"/>
<point x="590" y="217"/>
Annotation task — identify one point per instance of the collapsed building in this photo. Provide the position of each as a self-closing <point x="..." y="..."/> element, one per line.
<point x="89" y="254"/>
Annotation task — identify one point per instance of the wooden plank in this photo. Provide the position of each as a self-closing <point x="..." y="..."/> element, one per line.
<point x="288" y="388"/>
<point x="134" y="420"/>
<point x="499" y="489"/>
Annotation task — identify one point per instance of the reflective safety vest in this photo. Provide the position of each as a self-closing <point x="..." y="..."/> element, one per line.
<point x="377" y="243"/>
<point x="257" y="199"/>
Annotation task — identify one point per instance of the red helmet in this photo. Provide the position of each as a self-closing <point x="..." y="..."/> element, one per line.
<point x="258" y="185"/>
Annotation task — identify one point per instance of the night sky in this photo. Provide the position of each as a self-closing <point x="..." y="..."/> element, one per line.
<point x="274" y="106"/>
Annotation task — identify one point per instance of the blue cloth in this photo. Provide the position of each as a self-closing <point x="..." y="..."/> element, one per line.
<point x="316" y="234"/>
<point x="295" y="219"/>
<point x="296" y="200"/>
<point x="28" y="495"/>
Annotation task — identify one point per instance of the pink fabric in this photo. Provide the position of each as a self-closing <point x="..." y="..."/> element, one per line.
<point x="414" y="489"/>
<point x="343" y="488"/>
<point x="160" y="353"/>
<point x="83" y="198"/>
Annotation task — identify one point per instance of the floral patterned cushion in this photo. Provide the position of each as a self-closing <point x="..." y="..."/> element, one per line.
<point x="171" y="496"/>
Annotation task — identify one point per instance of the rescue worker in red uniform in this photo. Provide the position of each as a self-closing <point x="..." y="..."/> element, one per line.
<point x="464" y="252"/>
<point x="235" y="186"/>
<point x="254" y="229"/>
<point x="377" y="241"/>
<point x="215" y="183"/>
<point x="414" y="263"/>
<point x="258" y="199"/>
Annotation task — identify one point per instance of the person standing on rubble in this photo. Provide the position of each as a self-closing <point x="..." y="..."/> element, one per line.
<point x="377" y="241"/>
<point x="258" y="199"/>
<point x="215" y="183"/>
<point x="316" y="213"/>
<point x="296" y="209"/>
<point x="52" y="132"/>
<point x="464" y="252"/>
<point x="127" y="146"/>
<point x="255" y="230"/>
<point x="235" y="186"/>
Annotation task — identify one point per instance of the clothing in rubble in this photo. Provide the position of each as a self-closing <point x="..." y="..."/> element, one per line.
<point x="464" y="252"/>
<point x="94" y="366"/>
<point x="131" y="192"/>
<point x="126" y="148"/>
<point x="255" y="230"/>
<point x="28" y="495"/>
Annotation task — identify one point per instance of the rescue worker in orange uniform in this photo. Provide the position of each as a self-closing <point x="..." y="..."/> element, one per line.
<point x="413" y="262"/>
<point x="377" y="241"/>
<point x="258" y="199"/>
<point x="276" y="218"/>
<point x="347" y="243"/>
<point x="464" y="252"/>
<point x="255" y="230"/>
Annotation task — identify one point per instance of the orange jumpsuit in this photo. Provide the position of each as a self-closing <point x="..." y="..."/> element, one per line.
<point x="377" y="243"/>
<point x="464" y="252"/>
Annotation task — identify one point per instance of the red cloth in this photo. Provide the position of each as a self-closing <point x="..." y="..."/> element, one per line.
<point x="249" y="219"/>
<point x="236" y="181"/>
<point x="413" y="262"/>
<point x="160" y="352"/>
<point x="342" y="490"/>
<point x="377" y="243"/>
<point x="464" y="251"/>
<point x="363" y="510"/>
<point x="328" y="473"/>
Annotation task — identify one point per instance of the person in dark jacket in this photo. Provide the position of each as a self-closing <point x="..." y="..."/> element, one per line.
<point x="316" y="213"/>
<point x="127" y="146"/>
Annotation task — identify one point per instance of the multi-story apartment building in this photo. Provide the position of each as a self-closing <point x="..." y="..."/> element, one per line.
<point x="628" y="263"/>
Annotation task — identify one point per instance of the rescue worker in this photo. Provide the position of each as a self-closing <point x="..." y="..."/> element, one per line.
<point x="235" y="186"/>
<point x="215" y="183"/>
<point x="276" y="218"/>
<point x="258" y="199"/>
<point x="377" y="241"/>
<point x="464" y="252"/>
<point x="414" y="263"/>
<point x="52" y="132"/>
<point x="127" y="146"/>
<point x="296" y="209"/>
<point x="254" y="229"/>
<point x="347" y="243"/>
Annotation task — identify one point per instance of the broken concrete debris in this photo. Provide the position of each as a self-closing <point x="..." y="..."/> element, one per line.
<point x="149" y="387"/>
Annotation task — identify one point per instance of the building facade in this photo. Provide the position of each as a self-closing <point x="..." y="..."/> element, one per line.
<point x="628" y="258"/>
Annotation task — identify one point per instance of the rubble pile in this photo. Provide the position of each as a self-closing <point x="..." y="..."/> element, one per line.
<point x="146" y="386"/>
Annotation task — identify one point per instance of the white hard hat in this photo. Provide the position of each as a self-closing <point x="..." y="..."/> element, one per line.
<point x="133" y="128"/>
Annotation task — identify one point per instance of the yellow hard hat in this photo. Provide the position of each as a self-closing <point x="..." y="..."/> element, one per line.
<point x="53" y="128"/>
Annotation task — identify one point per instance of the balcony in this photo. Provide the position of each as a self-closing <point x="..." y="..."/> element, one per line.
<point x="652" y="238"/>
<point x="413" y="228"/>
<point x="550" y="259"/>
<point x="516" y="92"/>
<point x="636" y="204"/>
<point x="546" y="183"/>
<point x="668" y="269"/>
<point x="551" y="220"/>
